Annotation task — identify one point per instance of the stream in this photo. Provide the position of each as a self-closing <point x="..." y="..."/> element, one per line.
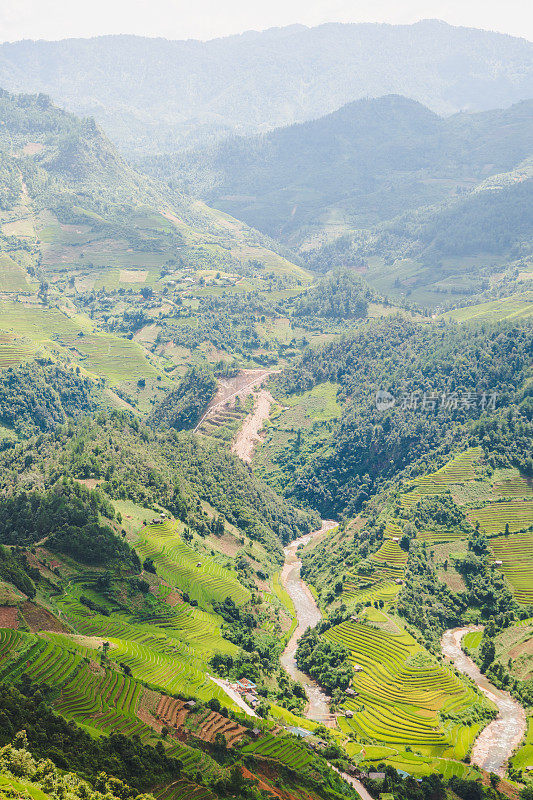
<point x="307" y="615"/>
<point x="497" y="741"/>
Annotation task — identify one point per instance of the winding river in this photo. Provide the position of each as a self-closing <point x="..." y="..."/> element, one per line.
<point x="497" y="741"/>
<point x="307" y="615"/>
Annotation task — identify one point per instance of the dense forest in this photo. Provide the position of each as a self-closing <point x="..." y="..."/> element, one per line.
<point x="443" y="385"/>
<point x="183" y="406"/>
<point x="42" y="395"/>
<point x="326" y="662"/>
<point x="175" y="469"/>
<point x="341" y="295"/>
<point x="68" y="518"/>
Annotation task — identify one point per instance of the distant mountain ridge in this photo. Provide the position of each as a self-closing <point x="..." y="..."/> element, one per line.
<point x="155" y="95"/>
<point x="367" y="162"/>
<point x="377" y="182"/>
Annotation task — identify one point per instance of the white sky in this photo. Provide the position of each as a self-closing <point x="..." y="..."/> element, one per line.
<point x="206" y="19"/>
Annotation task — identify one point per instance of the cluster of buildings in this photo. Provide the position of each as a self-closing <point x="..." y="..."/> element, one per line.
<point x="247" y="690"/>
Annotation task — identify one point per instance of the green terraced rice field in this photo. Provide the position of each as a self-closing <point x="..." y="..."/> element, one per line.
<point x="169" y="651"/>
<point x="380" y="590"/>
<point x="14" y="351"/>
<point x="392" y="530"/>
<point x="380" y="583"/>
<point x="517" y="514"/>
<point x="464" y="467"/>
<point x="518" y="306"/>
<point x="183" y="790"/>
<point x="462" y="478"/>
<point x="399" y="698"/>
<point x="177" y="563"/>
<point x="390" y="553"/>
<point x="516" y="553"/>
<point x="281" y="748"/>
<point x="109" y="356"/>
<point x="103" y="354"/>
<point x="318" y="404"/>
<point x="524" y="756"/>
<point x="12" y="276"/>
<point x="460" y="470"/>
<point x="105" y="701"/>
<point x="472" y="640"/>
<point x="38" y="324"/>
<point x="102" y="699"/>
<point x="510" y="483"/>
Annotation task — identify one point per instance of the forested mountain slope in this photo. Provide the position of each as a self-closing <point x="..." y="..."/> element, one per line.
<point x="423" y="205"/>
<point x="147" y="467"/>
<point x="371" y="160"/>
<point x="154" y="95"/>
<point x="408" y="393"/>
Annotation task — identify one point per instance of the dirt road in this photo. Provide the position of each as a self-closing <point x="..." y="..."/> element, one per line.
<point x="357" y="785"/>
<point x="234" y="695"/>
<point x="230" y="388"/>
<point x="248" y="434"/>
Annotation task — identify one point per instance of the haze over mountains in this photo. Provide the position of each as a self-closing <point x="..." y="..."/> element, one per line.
<point x="382" y="178"/>
<point x="368" y="162"/>
<point x="183" y="397"/>
<point x="65" y="188"/>
<point x="154" y="95"/>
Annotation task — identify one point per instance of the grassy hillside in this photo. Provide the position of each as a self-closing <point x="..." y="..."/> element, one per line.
<point x="69" y="195"/>
<point x="426" y="207"/>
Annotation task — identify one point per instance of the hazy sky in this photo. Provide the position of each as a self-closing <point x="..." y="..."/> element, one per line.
<point x="206" y="19"/>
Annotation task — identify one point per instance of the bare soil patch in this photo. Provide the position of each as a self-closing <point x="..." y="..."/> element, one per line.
<point x="173" y="599"/>
<point x="267" y="775"/>
<point x="148" y="702"/>
<point x="92" y="642"/>
<point x="90" y="483"/>
<point x="40" y="619"/>
<point x="452" y="579"/>
<point x="242" y="384"/>
<point x="504" y="787"/>
<point x="226" y="544"/>
<point x="147" y="335"/>
<point x="9" y="617"/>
<point x="133" y="275"/>
<point x="32" y="148"/>
<point x="248" y="435"/>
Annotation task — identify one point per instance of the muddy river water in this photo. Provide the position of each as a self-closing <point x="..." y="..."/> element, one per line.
<point x="497" y="741"/>
<point x="308" y="615"/>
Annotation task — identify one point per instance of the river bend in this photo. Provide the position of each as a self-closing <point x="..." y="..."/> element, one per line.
<point x="498" y="740"/>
